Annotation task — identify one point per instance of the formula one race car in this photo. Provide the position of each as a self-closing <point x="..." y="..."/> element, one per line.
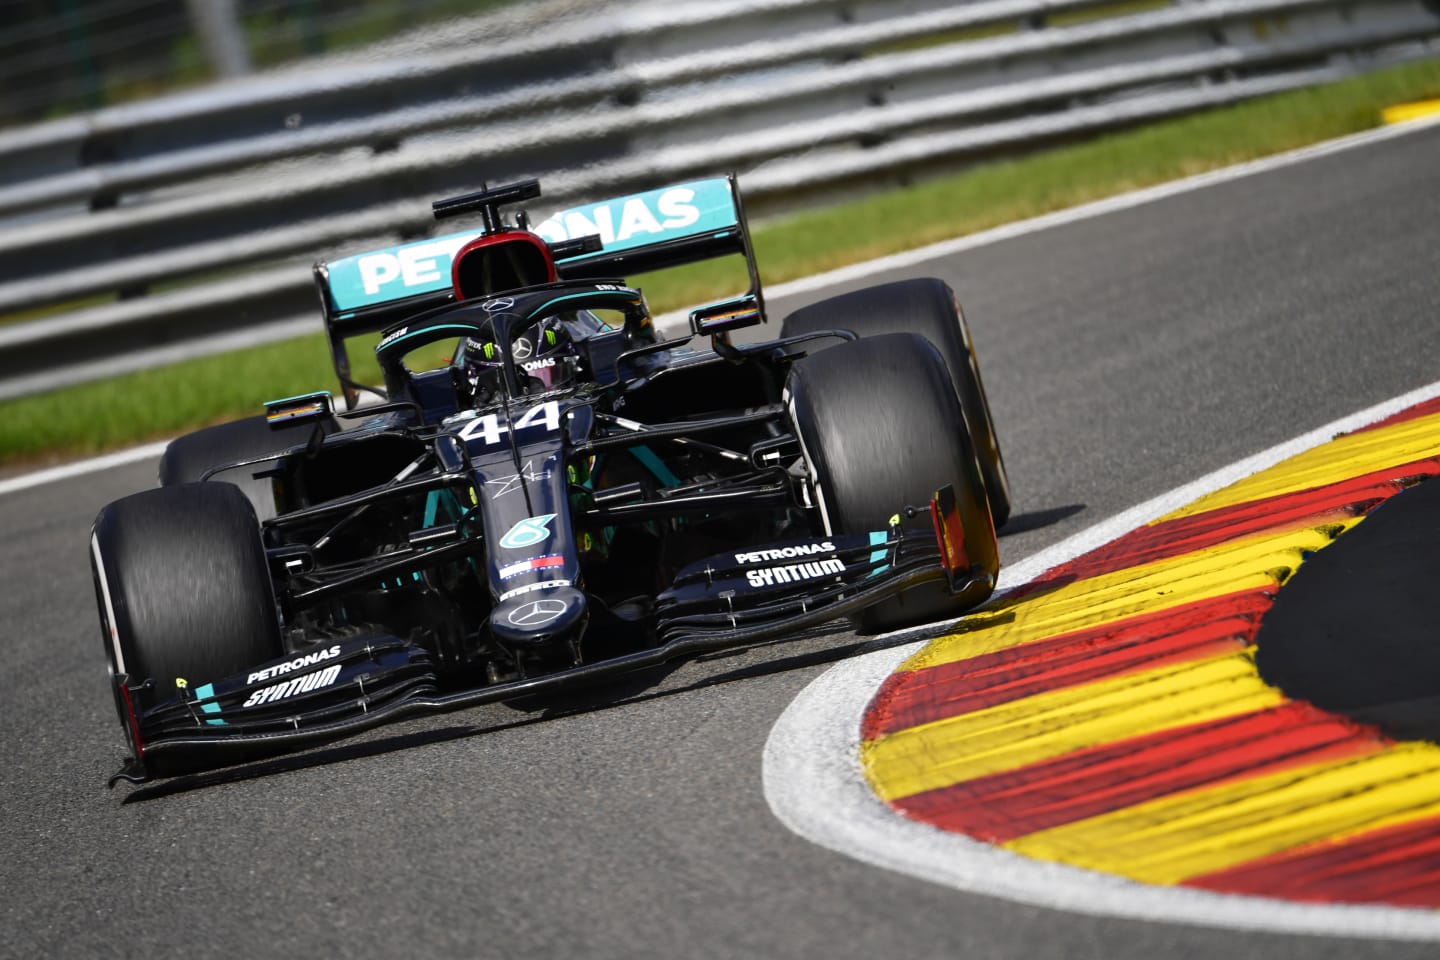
<point x="546" y="492"/>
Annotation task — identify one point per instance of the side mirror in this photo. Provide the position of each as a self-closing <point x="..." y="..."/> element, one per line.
<point x="732" y="314"/>
<point x="307" y="406"/>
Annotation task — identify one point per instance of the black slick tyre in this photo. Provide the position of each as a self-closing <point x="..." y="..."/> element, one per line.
<point x="190" y="457"/>
<point x="881" y="428"/>
<point x="183" y="588"/>
<point x="928" y="307"/>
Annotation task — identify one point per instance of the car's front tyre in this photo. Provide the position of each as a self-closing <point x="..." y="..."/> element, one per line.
<point x="929" y="307"/>
<point x="881" y="428"/>
<point x="183" y="588"/>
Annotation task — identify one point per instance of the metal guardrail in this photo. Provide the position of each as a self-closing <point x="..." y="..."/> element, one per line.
<point x="249" y="182"/>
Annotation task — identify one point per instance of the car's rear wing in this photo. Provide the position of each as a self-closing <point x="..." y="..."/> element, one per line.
<point x="658" y="229"/>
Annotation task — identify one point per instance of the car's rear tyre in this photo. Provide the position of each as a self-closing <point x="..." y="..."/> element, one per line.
<point x="183" y="587"/>
<point x="927" y="307"/>
<point x="190" y="457"/>
<point x="881" y="428"/>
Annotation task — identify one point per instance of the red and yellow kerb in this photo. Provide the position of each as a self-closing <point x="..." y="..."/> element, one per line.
<point x="1110" y="715"/>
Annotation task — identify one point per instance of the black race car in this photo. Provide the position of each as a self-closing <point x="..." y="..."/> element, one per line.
<point x="545" y="491"/>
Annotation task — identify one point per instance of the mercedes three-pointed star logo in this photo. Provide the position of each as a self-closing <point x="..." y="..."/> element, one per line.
<point x="536" y="613"/>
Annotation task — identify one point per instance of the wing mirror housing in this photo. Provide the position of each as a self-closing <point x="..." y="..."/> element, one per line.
<point x="725" y="315"/>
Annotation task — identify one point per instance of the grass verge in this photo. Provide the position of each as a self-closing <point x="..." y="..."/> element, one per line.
<point x="158" y="403"/>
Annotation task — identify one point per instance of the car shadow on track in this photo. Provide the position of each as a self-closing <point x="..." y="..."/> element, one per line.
<point x="1036" y="519"/>
<point x="823" y="646"/>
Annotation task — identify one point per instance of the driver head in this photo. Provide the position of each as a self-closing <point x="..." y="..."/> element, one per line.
<point x="545" y="355"/>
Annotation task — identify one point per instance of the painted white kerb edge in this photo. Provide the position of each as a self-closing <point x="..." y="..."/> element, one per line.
<point x="814" y="784"/>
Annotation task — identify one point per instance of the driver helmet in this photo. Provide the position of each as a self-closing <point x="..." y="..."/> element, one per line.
<point x="545" y="355"/>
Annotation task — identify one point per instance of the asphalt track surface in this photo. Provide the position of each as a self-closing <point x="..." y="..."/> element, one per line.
<point x="1124" y="355"/>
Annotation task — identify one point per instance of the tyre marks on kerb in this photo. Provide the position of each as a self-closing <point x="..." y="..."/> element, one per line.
<point x="1110" y="716"/>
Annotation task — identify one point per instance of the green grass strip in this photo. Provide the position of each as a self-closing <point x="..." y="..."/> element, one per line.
<point x="165" y="401"/>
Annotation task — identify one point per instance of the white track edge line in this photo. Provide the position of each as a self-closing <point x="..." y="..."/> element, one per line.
<point x="81" y="467"/>
<point x="1123" y="201"/>
<point x="814" y="784"/>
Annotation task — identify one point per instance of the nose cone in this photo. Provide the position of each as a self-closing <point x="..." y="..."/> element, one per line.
<point x="536" y="618"/>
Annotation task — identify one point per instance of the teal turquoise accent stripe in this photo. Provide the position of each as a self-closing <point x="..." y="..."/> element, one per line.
<point x="390" y="274"/>
<point x="394" y="273"/>
<point x="879" y="538"/>
<point x="692" y="209"/>
<point x="205" y="693"/>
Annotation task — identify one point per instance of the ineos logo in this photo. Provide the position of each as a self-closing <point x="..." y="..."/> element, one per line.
<point x="499" y="303"/>
<point x="536" y="613"/>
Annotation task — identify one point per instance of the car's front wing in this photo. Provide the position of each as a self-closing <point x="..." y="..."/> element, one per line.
<point x="340" y="688"/>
